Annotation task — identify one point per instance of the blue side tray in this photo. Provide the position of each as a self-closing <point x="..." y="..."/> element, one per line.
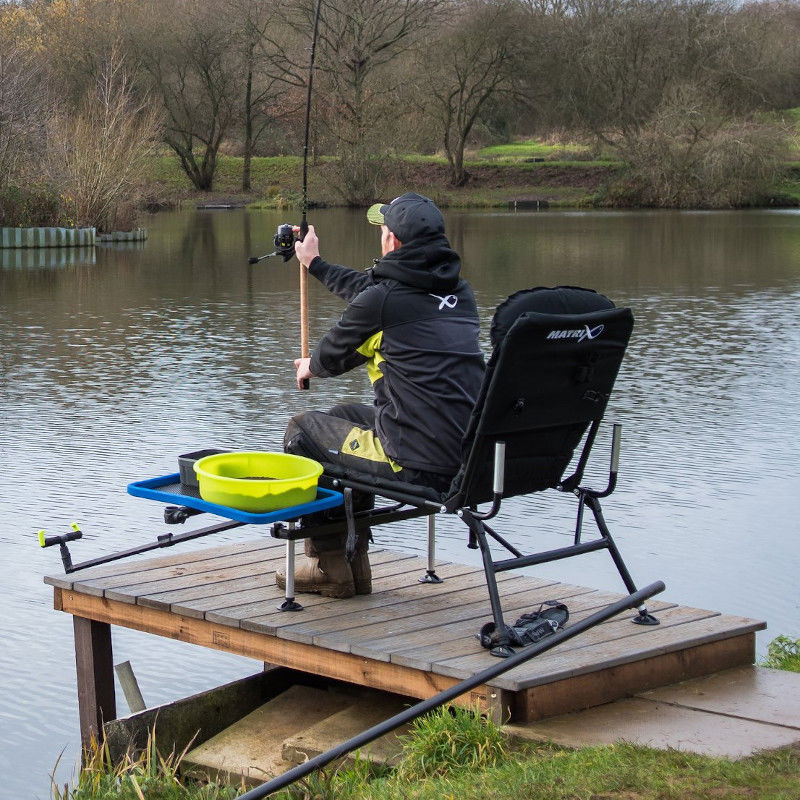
<point x="169" y="489"/>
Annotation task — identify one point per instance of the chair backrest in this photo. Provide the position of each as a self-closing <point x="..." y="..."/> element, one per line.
<point x="549" y="377"/>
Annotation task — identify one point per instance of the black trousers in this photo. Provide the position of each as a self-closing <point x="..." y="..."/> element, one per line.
<point x="346" y="435"/>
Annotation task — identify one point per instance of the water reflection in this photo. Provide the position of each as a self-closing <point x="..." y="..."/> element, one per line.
<point x="111" y="368"/>
<point x="45" y="257"/>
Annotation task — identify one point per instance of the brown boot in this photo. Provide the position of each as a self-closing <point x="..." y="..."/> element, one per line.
<point x="325" y="572"/>
<point x="362" y="573"/>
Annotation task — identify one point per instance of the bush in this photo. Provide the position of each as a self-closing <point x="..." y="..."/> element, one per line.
<point x="692" y="156"/>
<point x="32" y="207"/>
<point x="359" y="177"/>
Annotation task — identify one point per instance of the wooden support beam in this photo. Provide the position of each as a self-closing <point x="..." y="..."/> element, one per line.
<point x="602" y="686"/>
<point x="95" y="670"/>
<point x="340" y="666"/>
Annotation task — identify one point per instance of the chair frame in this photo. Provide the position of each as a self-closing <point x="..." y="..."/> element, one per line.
<point x="471" y="490"/>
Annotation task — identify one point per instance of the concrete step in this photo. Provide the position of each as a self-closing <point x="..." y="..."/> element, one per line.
<point x="363" y="713"/>
<point x="734" y="713"/>
<point x="252" y="747"/>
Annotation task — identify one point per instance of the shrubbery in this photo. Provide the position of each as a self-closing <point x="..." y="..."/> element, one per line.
<point x="694" y="155"/>
<point x="33" y="206"/>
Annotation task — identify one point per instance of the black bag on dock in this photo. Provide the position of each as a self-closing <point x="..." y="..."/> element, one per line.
<point x="529" y="628"/>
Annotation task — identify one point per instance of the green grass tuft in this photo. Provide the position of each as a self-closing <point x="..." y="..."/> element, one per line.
<point x="447" y="740"/>
<point x="783" y="653"/>
<point x="147" y="776"/>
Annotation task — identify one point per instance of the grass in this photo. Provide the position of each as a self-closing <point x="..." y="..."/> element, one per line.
<point x="148" y="776"/>
<point x="276" y="181"/>
<point x="533" y="148"/>
<point x="783" y="653"/>
<point x="447" y="740"/>
<point x="618" y="772"/>
<point x="452" y="754"/>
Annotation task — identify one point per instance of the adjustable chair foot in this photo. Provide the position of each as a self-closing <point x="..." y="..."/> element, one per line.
<point x="289" y="604"/>
<point x="502" y="651"/>
<point x="430" y="576"/>
<point x="644" y="617"/>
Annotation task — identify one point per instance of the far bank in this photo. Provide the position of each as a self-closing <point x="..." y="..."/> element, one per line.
<point x="492" y="183"/>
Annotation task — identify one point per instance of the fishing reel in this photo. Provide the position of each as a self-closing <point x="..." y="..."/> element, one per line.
<point x="284" y="240"/>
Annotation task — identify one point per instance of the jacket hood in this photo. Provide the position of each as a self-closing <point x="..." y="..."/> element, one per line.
<point x="428" y="263"/>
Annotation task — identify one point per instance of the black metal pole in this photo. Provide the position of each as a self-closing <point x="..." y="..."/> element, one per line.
<point x="167" y="540"/>
<point x="369" y="735"/>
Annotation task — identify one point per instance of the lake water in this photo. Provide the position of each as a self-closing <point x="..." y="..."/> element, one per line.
<point x="114" y="361"/>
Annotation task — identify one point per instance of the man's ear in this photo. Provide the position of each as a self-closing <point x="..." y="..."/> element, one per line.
<point x="396" y="243"/>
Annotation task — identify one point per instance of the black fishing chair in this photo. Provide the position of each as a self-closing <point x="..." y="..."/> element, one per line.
<point x="556" y="354"/>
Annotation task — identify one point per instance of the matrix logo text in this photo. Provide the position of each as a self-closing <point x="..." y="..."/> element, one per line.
<point x="579" y="334"/>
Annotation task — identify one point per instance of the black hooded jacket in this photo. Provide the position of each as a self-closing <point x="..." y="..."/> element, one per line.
<point x="414" y="322"/>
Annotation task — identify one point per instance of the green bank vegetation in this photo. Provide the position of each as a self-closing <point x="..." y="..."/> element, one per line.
<point x="452" y="753"/>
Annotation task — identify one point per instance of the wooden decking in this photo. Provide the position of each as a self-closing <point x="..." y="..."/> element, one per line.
<point x="410" y="638"/>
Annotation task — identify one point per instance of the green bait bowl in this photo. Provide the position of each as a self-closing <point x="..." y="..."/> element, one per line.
<point x="257" y="481"/>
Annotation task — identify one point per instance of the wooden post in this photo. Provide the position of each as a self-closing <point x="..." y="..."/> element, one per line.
<point x="95" y="669"/>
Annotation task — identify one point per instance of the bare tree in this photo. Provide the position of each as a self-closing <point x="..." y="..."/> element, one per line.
<point x="22" y="106"/>
<point x="190" y="60"/>
<point x="472" y="61"/>
<point x="97" y="155"/>
<point x="268" y="75"/>
<point x="623" y="58"/>
<point x="359" y="42"/>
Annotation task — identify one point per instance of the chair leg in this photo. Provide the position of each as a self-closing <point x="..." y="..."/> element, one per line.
<point x="503" y="648"/>
<point x="643" y="617"/>
<point x="430" y="575"/>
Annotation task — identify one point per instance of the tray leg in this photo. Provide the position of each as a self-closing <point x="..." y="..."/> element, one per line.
<point x="289" y="603"/>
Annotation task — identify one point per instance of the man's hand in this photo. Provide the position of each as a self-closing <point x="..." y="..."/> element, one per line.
<point x="303" y="367"/>
<point x="308" y="249"/>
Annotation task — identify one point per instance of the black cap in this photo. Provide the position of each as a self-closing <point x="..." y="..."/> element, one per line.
<point x="410" y="216"/>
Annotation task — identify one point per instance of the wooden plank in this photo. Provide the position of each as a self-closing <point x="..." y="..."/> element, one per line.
<point x="555" y="665"/>
<point x="337" y="632"/>
<point x="459" y="622"/>
<point x="179" y="556"/>
<point x="604" y="685"/>
<point x="391" y="592"/>
<point x="264" y="602"/>
<point x="214" y="572"/>
<point x="234" y="587"/>
<point x="95" y="676"/>
<point x="689" y="630"/>
<point x="422" y="649"/>
<point x="617" y="637"/>
<point x="340" y="666"/>
<point x="188" y="600"/>
<point x="139" y="582"/>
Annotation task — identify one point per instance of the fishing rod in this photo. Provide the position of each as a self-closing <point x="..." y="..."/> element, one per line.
<point x="287" y="233"/>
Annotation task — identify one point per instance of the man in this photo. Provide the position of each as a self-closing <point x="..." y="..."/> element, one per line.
<point x="413" y="322"/>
